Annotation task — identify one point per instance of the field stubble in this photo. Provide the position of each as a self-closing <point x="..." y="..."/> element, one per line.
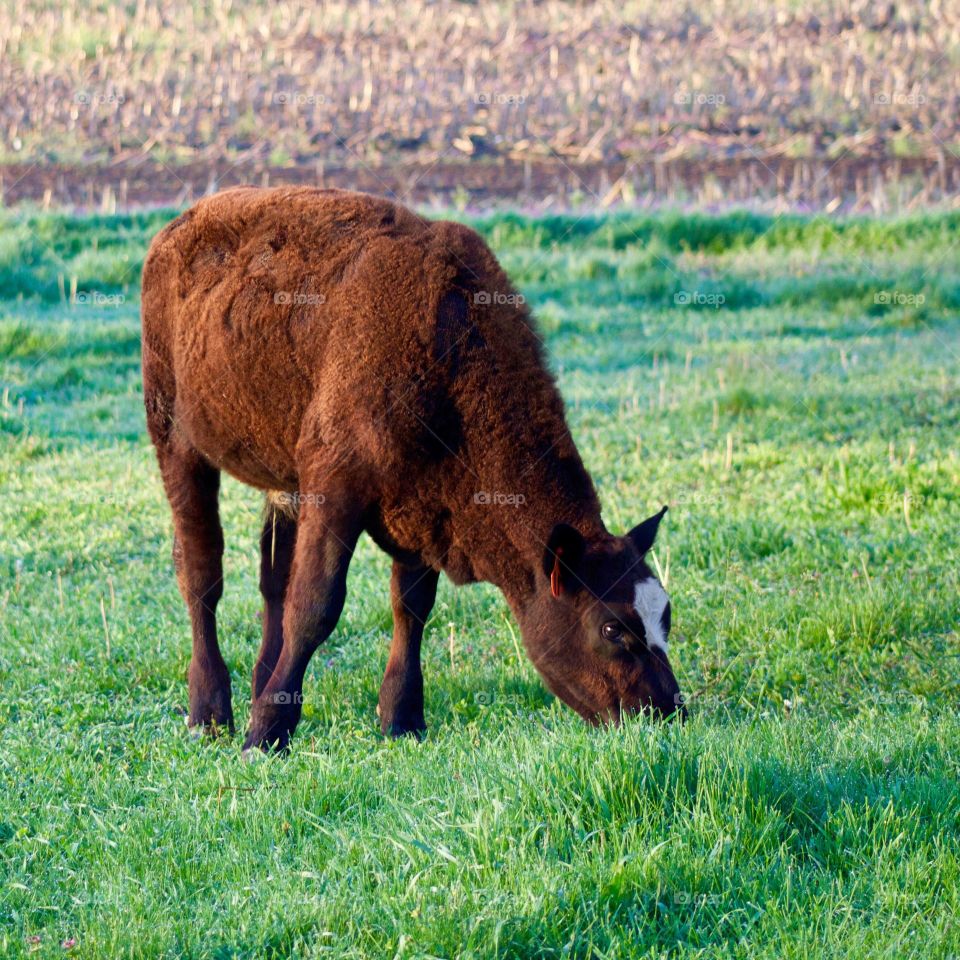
<point x="849" y="103"/>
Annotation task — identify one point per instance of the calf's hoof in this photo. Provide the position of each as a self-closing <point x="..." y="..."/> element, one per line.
<point x="257" y="746"/>
<point x="271" y="725"/>
<point x="400" y="706"/>
<point x="211" y="730"/>
<point x="403" y="725"/>
<point x="396" y="732"/>
<point x="211" y="711"/>
<point x="211" y="716"/>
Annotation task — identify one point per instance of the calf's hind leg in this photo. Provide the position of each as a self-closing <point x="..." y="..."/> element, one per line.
<point x="277" y="540"/>
<point x="192" y="487"/>
<point x="412" y="594"/>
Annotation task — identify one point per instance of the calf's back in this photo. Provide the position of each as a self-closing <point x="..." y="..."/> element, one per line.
<point x="282" y="324"/>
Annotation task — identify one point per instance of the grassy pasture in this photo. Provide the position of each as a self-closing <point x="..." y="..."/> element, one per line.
<point x="788" y="385"/>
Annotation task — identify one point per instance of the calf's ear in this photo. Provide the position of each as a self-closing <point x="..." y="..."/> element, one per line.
<point x="561" y="559"/>
<point x="643" y="534"/>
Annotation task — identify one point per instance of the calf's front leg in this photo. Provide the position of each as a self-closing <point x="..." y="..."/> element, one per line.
<point x="192" y="487"/>
<point x="325" y="539"/>
<point x="412" y="593"/>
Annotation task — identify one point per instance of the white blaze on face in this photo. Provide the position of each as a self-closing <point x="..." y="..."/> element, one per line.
<point x="650" y="600"/>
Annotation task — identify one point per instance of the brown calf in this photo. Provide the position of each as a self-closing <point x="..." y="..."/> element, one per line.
<point x="375" y="371"/>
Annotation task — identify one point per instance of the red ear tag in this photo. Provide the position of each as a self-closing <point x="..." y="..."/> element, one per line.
<point x="555" y="576"/>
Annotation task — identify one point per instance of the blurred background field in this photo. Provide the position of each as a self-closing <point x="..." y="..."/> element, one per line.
<point x="827" y="105"/>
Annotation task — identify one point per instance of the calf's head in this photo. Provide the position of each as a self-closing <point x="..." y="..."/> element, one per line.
<point x="597" y="628"/>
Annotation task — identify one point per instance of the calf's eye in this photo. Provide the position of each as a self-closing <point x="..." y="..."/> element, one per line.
<point x="612" y="631"/>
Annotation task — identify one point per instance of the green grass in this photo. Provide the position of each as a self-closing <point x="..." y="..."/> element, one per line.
<point x="800" y="414"/>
